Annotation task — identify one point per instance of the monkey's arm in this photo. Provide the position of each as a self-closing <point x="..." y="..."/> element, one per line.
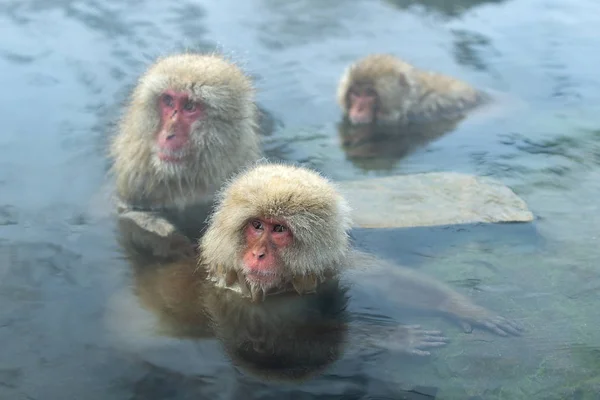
<point x="411" y="289"/>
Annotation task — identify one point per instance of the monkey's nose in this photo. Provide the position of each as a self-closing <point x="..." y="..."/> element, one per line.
<point x="259" y="254"/>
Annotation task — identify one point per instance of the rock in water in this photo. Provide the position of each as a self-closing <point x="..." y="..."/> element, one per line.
<point x="430" y="199"/>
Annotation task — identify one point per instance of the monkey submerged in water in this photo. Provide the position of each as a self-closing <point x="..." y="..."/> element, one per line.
<point x="381" y="88"/>
<point x="280" y="228"/>
<point x="279" y="235"/>
<point x="285" y="337"/>
<point x="191" y="123"/>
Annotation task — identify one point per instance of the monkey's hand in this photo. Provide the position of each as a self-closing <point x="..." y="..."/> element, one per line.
<point x="408" y="339"/>
<point x="156" y="234"/>
<point x="469" y="315"/>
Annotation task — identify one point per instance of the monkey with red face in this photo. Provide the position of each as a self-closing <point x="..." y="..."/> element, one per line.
<point x="279" y="235"/>
<point x="191" y="123"/>
<point x="290" y="229"/>
<point x="383" y="89"/>
<point x="279" y="228"/>
<point x="276" y="230"/>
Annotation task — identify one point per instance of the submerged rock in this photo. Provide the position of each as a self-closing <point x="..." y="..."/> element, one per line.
<point x="430" y="199"/>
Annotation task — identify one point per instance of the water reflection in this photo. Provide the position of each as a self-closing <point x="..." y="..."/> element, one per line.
<point x="377" y="146"/>
<point x="287" y="337"/>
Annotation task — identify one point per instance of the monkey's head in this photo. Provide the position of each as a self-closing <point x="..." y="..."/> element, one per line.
<point x="192" y="118"/>
<point x="276" y="225"/>
<point x="376" y="88"/>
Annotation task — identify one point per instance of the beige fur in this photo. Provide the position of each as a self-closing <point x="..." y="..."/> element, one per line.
<point x="225" y="140"/>
<point x="407" y="94"/>
<point x="318" y="217"/>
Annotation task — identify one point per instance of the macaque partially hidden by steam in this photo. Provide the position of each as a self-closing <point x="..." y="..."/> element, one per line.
<point x="383" y="89"/>
<point x="190" y="124"/>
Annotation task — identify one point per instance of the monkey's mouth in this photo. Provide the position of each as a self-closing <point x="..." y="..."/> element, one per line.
<point x="262" y="277"/>
<point x="167" y="155"/>
<point x="360" y="119"/>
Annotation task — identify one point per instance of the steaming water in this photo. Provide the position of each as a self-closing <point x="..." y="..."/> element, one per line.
<point x="67" y="66"/>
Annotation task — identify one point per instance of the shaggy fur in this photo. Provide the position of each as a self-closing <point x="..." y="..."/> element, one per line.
<point x="407" y="94"/>
<point x="225" y="140"/>
<point x="317" y="215"/>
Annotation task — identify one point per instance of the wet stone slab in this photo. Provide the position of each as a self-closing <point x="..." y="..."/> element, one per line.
<point x="430" y="199"/>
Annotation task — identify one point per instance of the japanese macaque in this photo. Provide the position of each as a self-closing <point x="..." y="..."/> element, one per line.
<point x="279" y="227"/>
<point x="381" y="88"/>
<point x="191" y="123"/>
<point x="285" y="337"/>
<point x="279" y="235"/>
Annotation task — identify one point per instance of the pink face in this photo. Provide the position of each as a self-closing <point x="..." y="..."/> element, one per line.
<point x="362" y="106"/>
<point x="177" y="114"/>
<point x="265" y="238"/>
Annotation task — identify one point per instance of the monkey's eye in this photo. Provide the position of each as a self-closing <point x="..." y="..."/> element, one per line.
<point x="168" y="100"/>
<point x="257" y="224"/>
<point x="279" y="228"/>
<point x="189" y="106"/>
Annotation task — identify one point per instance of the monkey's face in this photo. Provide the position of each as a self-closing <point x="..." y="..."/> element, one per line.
<point x="276" y="226"/>
<point x="262" y="261"/>
<point x="362" y="104"/>
<point x="179" y="113"/>
<point x="270" y="258"/>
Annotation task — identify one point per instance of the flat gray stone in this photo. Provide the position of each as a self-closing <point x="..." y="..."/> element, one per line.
<point x="430" y="199"/>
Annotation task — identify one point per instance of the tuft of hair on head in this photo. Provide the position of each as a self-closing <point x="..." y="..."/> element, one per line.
<point x="316" y="213"/>
<point x="207" y="77"/>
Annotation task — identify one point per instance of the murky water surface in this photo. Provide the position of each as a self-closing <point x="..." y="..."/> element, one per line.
<point x="66" y="67"/>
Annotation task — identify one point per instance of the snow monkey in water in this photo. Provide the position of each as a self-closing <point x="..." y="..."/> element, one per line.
<point x="285" y="337"/>
<point x="381" y="88"/>
<point x="279" y="235"/>
<point x="190" y="124"/>
<point x="280" y="228"/>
